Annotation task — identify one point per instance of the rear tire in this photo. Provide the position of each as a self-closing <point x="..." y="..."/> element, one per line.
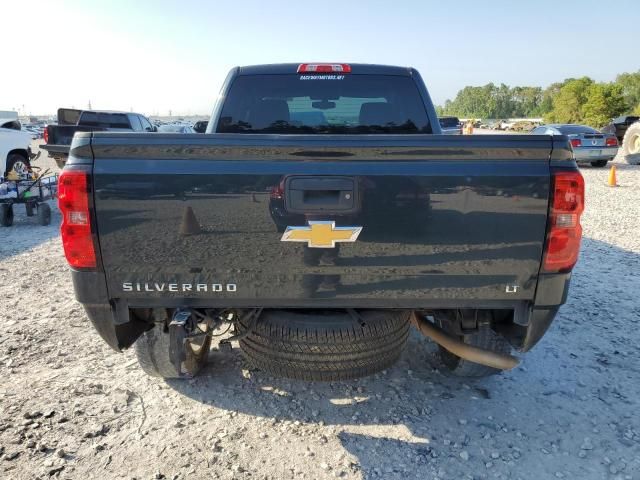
<point x="325" y="346"/>
<point x="44" y="214"/>
<point x="484" y="338"/>
<point x="18" y="164"/>
<point x="631" y="144"/>
<point x="6" y="214"/>
<point x="599" y="163"/>
<point x="153" y="351"/>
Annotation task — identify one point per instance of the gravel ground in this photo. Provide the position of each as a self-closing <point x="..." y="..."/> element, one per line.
<point x="72" y="408"/>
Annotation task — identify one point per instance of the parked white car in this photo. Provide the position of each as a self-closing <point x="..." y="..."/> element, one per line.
<point x="15" y="150"/>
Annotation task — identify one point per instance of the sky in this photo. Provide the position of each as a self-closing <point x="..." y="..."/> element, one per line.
<point x="159" y="56"/>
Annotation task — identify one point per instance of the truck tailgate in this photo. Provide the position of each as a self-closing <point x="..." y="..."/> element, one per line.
<point x="445" y="220"/>
<point x="59" y="136"/>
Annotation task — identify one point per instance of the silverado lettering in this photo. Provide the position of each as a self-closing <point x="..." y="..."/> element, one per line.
<point x="178" y="287"/>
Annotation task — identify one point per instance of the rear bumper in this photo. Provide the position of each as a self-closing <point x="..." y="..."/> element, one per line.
<point x="588" y="154"/>
<point x="56" y="150"/>
<point x="119" y="329"/>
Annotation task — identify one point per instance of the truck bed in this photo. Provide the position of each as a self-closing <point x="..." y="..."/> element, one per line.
<point x="445" y="220"/>
<point x="59" y="138"/>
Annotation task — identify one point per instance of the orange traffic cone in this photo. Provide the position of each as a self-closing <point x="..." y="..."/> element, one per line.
<point x="189" y="224"/>
<point x="613" y="181"/>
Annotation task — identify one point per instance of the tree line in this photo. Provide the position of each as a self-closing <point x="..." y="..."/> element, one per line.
<point x="574" y="100"/>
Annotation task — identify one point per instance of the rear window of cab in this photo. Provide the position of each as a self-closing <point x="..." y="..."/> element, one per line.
<point x="104" y="120"/>
<point x="323" y="104"/>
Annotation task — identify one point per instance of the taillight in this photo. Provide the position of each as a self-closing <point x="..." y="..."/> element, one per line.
<point x="576" y="142"/>
<point x="564" y="231"/>
<point x="45" y="134"/>
<point x="324" y="68"/>
<point x="612" y="142"/>
<point x="277" y="192"/>
<point x="73" y="201"/>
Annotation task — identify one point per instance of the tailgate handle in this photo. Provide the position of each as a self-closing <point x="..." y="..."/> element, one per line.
<point x="320" y="194"/>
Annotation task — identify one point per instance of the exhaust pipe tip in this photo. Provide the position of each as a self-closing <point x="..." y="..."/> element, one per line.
<point x="489" y="358"/>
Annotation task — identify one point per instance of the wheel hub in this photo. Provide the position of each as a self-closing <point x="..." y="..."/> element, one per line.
<point x="20" y="168"/>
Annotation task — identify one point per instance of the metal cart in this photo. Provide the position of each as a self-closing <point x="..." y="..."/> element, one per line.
<point x="32" y="192"/>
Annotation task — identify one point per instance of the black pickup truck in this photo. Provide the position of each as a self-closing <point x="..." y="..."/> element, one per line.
<point x="58" y="137"/>
<point x="321" y="215"/>
<point x="627" y="130"/>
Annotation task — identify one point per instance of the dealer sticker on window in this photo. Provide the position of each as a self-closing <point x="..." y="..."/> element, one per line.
<point x="321" y="77"/>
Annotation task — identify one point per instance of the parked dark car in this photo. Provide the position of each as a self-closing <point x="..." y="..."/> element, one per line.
<point x="450" y="125"/>
<point x="380" y="222"/>
<point x="201" y="126"/>
<point x="588" y="144"/>
<point x="619" y="126"/>
<point x="627" y="131"/>
<point x="58" y="137"/>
